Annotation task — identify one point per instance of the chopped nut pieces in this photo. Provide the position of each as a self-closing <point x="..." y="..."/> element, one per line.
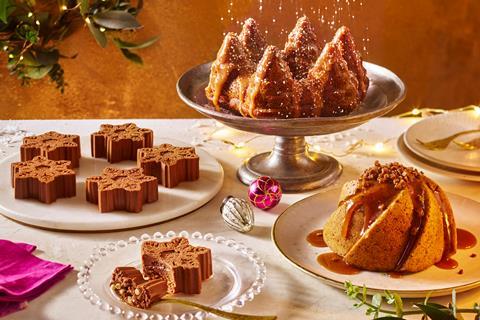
<point x="393" y="173"/>
<point x="43" y="179"/>
<point x="134" y="289"/>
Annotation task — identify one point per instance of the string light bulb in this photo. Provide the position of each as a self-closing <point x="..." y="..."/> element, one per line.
<point x="476" y="110"/>
<point x="379" y="146"/>
<point x="416" y="112"/>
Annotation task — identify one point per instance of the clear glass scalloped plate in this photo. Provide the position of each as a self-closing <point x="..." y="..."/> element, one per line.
<point x="239" y="275"/>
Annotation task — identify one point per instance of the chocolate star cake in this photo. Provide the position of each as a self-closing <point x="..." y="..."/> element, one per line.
<point x="120" y="142"/>
<point x="121" y="189"/>
<point x="189" y="265"/>
<point x="170" y="164"/>
<point x="43" y="179"/>
<point x="52" y="145"/>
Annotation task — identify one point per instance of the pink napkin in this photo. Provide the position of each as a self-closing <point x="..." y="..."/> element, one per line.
<point x="23" y="276"/>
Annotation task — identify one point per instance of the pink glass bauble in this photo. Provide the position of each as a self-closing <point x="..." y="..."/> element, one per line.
<point x="265" y="193"/>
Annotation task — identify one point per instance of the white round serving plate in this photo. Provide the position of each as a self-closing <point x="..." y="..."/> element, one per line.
<point x="294" y="224"/>
<point x="441" y="126"/>
<point x="434" y="167"/>
<point x="238" y="276"/>
<point x="79" y="215"/>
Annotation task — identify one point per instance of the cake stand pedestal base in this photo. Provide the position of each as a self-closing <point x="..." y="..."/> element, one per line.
<point x="293" y="165"/>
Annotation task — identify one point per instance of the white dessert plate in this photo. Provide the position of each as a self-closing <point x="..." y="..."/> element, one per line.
<point x="294" y="224"/>
<point x="238" y="276"/>
<point x="434" y="167"/>
<point x="77" y="214"/>
<point x="441" y="126"/>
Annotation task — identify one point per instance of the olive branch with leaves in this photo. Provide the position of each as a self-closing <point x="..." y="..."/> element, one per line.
<point x="397" y="311"/>
<point x="31" y="31"/>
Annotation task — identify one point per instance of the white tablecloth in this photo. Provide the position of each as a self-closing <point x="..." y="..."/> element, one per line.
<point x="289" y="293"/>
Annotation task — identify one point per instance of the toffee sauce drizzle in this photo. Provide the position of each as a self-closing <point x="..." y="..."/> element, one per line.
<point x="315" y="238"/>
<point x="465" y="239"/>
<point x="335" y="263"/>
<point x="375" y="199"/>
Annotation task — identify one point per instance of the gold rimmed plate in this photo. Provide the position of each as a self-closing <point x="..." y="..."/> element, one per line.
<point x="294" y="224"/>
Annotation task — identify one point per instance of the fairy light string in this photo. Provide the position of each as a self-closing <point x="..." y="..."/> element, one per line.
<point x="377" y="147"/>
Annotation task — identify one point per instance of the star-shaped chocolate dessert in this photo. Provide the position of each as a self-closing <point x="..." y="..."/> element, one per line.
<point x="121" y="189"/>
<point x="52" y="145"/>
<point x="130" y="285"/>
<point x="43" y="179"/>
<point x="170" y="164"/>
<point x="190" y="265"/>
<point x="120" y="142"/>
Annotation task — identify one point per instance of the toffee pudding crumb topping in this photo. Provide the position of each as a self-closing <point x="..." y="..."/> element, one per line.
<point x="393" y="173"/>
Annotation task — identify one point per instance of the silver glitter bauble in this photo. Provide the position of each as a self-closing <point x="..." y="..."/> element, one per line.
<point x="237" y="214"/>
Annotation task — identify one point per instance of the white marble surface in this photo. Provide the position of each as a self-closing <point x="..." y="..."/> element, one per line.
<point x="289" y="293"/>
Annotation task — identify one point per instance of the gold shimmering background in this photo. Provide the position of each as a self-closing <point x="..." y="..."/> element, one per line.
<point x="433" y="45"/>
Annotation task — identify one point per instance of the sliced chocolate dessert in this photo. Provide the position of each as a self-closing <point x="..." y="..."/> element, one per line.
<point x="190" y="265"/>
<point x="130" y="285"/>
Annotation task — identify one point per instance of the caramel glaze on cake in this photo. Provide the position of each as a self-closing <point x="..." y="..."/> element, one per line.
<point x="392" y="219"/>
<point x="259" y="81"/>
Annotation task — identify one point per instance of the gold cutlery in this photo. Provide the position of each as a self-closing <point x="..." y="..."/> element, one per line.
<point x="443" y="143"/>
<point x="469" y="145"/>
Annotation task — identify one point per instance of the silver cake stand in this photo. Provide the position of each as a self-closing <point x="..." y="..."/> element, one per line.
<point x="290" y="162"/>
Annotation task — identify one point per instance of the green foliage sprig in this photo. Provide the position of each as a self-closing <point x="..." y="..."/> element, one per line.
<point x="31" y="32"/>
<point x="395" y="310"/>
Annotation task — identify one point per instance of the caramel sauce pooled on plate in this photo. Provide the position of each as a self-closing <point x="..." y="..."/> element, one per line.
<point x="396" y="275"/>
<point x="447" y="264"/>
<point x="315" y="238"/>
<point x="465" y="239"/>
<point x="333" y="262"/>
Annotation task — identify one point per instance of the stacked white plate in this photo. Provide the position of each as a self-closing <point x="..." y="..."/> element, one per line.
<point x="452" y="161"/>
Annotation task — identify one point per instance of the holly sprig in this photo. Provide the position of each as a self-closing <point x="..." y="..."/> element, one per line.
<point x="30" y="33"/>
<point x="396" y="310"/>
